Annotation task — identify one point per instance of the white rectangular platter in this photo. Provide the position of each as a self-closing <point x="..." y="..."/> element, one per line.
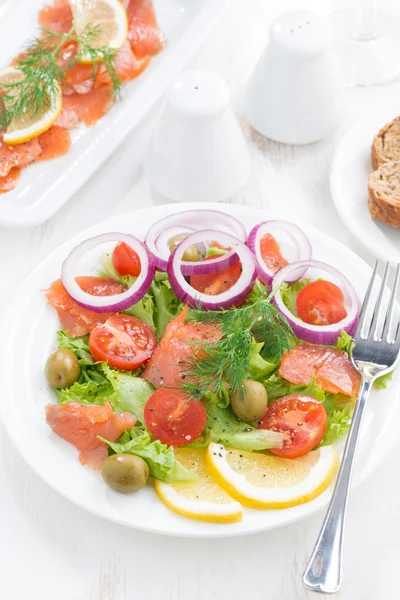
<point x="45" y="186"/>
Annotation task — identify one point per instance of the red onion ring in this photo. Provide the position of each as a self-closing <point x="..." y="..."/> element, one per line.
<point x="236" y="294"/>
<point x="317" y="334"/>
<point x="193" y="267"/>
<point x="207" y="267"/>
<point x="118" y="302"/>
<point x="162" y="242"/>
<point x="302" y="246"/>
<point x="196" y="219"/>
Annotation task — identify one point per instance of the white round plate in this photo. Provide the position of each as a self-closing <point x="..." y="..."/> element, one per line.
<point x="29" y="335"/>
<point x="351" y="166"/>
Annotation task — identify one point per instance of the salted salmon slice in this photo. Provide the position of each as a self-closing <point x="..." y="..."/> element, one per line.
<point x="9" y="181"/>
<point x="54" y="142"/>
<point x="331" y="368"/>
<point x="165" y="367"/>
<point x="56" y="17"/>
<point x="128" y="66"/>
<point x="89" y="107"/>
<point x="18" y="156"/>
<point x="145" y="36"/>
<point x="74" y="319"/>
<point x="80" y="424"/>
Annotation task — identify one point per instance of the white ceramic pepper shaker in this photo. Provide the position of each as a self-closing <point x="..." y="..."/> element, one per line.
<point x="297" y="94"/>
<point x="197" y="151"/>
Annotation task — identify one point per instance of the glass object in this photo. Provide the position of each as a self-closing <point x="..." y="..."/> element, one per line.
<point x="367" y="41"/>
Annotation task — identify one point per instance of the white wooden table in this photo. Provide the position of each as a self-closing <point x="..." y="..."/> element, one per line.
<point x="51" y="549"/>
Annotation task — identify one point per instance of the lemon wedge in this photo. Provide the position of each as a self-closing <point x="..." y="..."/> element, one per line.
<point x="27" y="126"/>
<point x="109" y="16"/>
<point x="203" y="500"/>
<point x="269" y="482"/>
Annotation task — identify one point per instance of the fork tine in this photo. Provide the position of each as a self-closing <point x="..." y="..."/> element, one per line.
<point x="392" y="302"/>
<point x="364" y="307"/>
<point x="377" y="309"/>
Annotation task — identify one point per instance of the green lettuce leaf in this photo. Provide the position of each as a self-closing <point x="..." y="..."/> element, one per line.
<point x="78" y="345"/>
<point x="345" y="342"/>
<point x="130" y="393"/>
<point x="91" y="371"/>
<point x="277" y="387"/>
<point x="381" y="382"/>
<point x="166" y="304"/>
<point x="289" y="293"/>
<point x="99" y="382"/>
<point x="252" y="440"/>
<point x="211" y="251"/>
<point x="259" y="367"/>
<point x="337" y="425"/>
<point x="143" y="310"/>
<point x="86" y="393"/>
<point x="159" y="457"/>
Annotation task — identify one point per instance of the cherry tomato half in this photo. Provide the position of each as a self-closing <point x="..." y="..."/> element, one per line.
<point x="216" y="283"/>
<point x="174" y="418"/>
<point x="125" y="260"/>
<point x="271" y="253"/>
<point x="124" y="341"/>
<point x="321" y="303"/>
<point x="302" y="417"/>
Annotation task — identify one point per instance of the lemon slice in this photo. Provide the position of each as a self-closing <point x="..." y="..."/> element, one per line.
<point x="203" y="500"/>
<point x="27" y="126"/>
<point x="262" y="481"/>
<point x="108" y="16"/>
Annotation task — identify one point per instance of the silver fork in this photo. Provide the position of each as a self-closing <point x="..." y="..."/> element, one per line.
<point x="376" y="352"/>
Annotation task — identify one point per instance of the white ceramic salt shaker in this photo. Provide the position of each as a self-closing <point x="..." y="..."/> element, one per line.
<point x="297" y="94"/>
<point x="197" y="151"/>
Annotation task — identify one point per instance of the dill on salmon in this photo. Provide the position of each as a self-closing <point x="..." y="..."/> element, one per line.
<point x="42" y="72"/>
<point x="226" y="362"/>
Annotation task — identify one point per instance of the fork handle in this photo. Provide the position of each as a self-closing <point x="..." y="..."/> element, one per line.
<point x="324" y="570"/>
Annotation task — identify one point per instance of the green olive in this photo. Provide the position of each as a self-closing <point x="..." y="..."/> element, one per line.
<point x="250" y="403"/>
<point x="125" y="473"/>
<point x="175" y="241"/>
<point x="62" y="368"/>
<point x="191" y="253"/>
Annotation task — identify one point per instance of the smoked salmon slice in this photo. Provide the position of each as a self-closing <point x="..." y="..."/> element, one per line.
<point x="18" y="156"/>
<point x="89" y="107"/>
<point x="9" y="181"/>
<point x="331" y="368"/>
<point x="74" y="319"/>
<point x="128" y="66"/>
<point x="54" y="142"/>
<point x="56" y="17"/>
<point x="80" y="424"/>
<point x="145" y="36"/>
<point x="165" y="367"/>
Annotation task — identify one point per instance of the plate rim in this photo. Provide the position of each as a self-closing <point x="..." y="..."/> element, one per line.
<point x="225" y="531"/>
<point x="335" y="180"/>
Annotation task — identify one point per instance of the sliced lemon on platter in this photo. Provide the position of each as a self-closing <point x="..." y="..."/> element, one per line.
<point x="269" y="482"/>
<point x="107" y="16"/>
<point x="28" y="126"/>
<point x="203" y="500"/>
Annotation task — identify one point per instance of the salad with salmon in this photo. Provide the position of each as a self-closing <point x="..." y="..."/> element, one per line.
<point x="70" y="75"/>
<point x="213" y="362"/>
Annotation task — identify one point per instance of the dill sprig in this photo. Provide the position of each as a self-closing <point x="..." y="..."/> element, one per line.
<point x="30" y="96"/>
<point x="227" y="361"/>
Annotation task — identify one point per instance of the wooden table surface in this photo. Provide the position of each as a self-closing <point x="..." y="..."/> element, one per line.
<point x="50" y="549"/>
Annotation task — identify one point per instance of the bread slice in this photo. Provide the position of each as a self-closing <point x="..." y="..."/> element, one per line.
<point x="386" y="144"/>
<point x="384" y="193"/>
